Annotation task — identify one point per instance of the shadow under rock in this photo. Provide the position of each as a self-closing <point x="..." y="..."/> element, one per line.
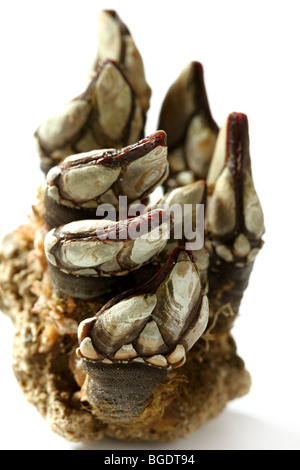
<point x="231" y="430"/>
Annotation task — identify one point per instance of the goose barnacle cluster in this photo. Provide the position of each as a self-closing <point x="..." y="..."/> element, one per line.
<point x="124" y="316"/>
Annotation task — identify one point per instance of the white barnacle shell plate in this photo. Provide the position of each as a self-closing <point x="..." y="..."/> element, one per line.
<point x="199" y="326"/>
<point x="58" y="130"/>
<point x="200" y="141"/>
<point x="150" y="340"/>
<point x="222" y="205"/>
<point x="253" y="213"/>
<point x="88" y="254"/>
<point x="148" y="245"/>
<point x="114" y="101"/>
<point x="176" y="298"/>
<point x="219" y="156"/>
<point x="119" y="324"/>
<point x="88" y="182"/>
<point x="143" y="173"/>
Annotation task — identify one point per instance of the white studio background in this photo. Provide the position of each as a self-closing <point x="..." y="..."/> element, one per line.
<point x="250" y="54"/>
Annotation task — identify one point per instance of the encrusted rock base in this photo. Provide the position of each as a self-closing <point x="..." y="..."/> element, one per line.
<point x="44" y="362"/>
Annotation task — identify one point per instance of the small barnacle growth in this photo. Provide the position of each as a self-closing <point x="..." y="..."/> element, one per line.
<point x="75" y="188"/>
<point x="235" y="221"/>
<point x="87" y="258"/>
<point x="192" y="132"/>
<point x="132" y="343"/>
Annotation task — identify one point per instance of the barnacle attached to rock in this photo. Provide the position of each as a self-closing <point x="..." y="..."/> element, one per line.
<point x="123" y="315"/>
<point x="146" y="332"/>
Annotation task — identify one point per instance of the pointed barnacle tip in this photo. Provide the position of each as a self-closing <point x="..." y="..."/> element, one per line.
<point x="239" y="115"/>
<point x="238" y="118"/>
<point x="198" y="66"/>
<point x="160" y="137"/>
<point x="109" y="12"/>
